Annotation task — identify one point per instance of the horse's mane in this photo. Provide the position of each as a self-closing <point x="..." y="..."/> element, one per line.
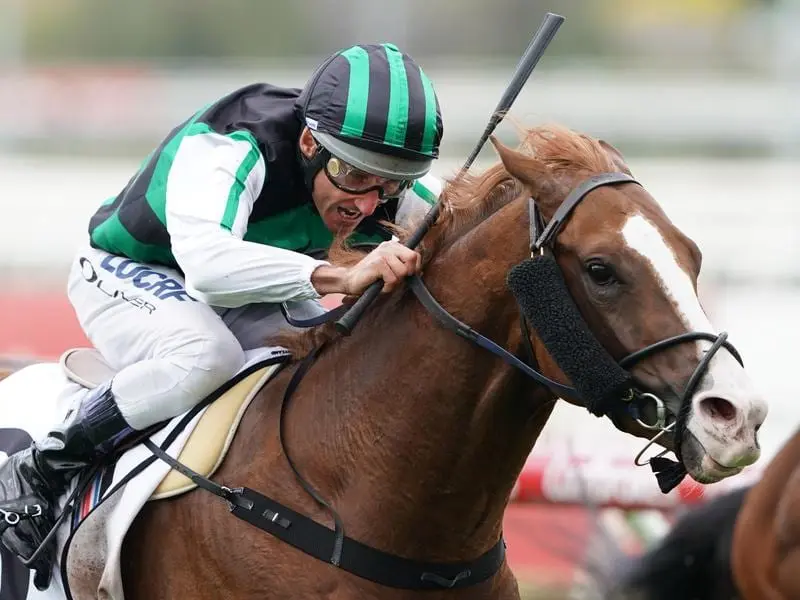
<point x="468" y="199"/>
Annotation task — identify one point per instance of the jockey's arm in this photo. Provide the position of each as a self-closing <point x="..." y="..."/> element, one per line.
<point x="212" y="185"/>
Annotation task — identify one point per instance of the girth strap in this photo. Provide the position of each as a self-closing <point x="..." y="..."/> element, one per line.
<point x="357" y="558"/>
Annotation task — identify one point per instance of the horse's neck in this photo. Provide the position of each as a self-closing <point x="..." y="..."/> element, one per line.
<point x="424" y="432"/>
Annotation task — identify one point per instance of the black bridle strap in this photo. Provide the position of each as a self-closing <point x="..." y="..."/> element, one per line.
<point x="690" y="336"/>
<point x="330" y="315"/>
<point x="294" y="382"/>
<point x="535" y="224"/>
<point x="440" y="314"/>
<point x="574" y="198"/>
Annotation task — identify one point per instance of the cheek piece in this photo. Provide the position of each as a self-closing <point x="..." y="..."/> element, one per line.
<point x="545" y="301"/>
<point x="543" y="298"/>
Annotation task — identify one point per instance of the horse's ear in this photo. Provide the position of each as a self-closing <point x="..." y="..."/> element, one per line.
<point x="616" y="157"/>
<point x="521" y="166"/>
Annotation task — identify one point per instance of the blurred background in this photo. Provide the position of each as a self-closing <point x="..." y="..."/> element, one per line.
<point x="701" y="96"/>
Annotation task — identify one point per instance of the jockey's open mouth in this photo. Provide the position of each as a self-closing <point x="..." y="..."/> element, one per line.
<point x="349" y="213"/>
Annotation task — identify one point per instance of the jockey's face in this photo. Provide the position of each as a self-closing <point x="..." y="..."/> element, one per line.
<point x="341" y="211"/>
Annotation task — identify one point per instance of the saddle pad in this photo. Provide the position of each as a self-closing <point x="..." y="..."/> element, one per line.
<point x="92" y="555"/>
<point x="208" y="444"/>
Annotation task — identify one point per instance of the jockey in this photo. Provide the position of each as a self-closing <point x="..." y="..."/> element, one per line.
<point x="187" y="266"/>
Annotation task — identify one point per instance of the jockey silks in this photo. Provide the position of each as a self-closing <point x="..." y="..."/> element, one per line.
<point x="231" y="171"/>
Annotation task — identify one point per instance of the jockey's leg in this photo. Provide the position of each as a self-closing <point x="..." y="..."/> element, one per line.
<point x="32" y="480"/>
<point x="171" y="351"/>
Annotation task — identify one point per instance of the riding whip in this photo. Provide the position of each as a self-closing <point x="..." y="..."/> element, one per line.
<point x="536" y="48"/>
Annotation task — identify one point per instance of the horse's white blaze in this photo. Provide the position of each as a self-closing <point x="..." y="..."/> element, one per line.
<point x="729" y="442"/>
<point x="643" y="237"/>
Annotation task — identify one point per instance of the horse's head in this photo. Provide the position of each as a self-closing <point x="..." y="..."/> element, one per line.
<point x="633" y="276"/>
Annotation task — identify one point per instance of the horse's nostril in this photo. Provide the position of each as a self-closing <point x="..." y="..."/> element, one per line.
<point x="718" y="408"/>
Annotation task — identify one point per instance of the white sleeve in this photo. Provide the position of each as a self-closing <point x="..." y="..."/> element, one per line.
<point x="211" y="187"/>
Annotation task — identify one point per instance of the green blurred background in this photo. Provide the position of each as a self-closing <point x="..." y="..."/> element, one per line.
<point x="668" y="66"/>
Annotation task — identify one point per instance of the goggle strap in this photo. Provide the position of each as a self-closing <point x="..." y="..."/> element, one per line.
<point x="315" y="164"/>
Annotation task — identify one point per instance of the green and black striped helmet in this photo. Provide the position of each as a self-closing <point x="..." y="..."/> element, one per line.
<point x="373" y="107"/>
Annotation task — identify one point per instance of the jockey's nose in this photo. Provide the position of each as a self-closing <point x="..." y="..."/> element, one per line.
<point x="368" y="203"/>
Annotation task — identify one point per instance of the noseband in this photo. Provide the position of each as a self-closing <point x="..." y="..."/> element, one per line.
<point x="542" y="242"/>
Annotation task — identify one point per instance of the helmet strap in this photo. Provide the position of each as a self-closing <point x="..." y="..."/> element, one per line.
<point x="313" y="165"/>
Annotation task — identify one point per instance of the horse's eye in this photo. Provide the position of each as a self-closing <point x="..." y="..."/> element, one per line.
<point x="600" y="272"/>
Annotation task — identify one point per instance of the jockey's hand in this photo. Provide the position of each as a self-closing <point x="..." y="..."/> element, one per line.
<point x="390" y="261"/>
<point x="25" y="537"/>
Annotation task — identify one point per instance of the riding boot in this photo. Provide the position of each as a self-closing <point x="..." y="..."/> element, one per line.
<point x="31" y="481"/>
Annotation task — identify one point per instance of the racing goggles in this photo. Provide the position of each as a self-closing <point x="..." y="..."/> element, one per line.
<point x="349" y="179"/>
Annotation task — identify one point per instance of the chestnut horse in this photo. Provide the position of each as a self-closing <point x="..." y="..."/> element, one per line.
<point x="765" y="556"/>
<point x="415" y="436"/>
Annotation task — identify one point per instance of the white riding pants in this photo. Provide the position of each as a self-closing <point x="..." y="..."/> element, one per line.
<point x="171" y="350"/>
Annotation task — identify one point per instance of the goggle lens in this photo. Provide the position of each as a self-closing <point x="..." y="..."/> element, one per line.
<point x="355" y="181"/>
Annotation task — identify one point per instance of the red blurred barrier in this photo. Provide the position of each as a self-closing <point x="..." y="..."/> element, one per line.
<point x="37" y="324"/>
<point x="601" y="479"/>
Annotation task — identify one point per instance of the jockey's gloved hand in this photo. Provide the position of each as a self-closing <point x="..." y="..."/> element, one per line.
<point x="27" y="513"/>
<point x="28" y="533"/>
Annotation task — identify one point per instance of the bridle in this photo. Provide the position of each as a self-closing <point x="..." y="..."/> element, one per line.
<point x="542" y="242"/>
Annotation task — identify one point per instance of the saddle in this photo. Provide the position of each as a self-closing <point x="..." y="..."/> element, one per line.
<point x="208" y="443"/>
